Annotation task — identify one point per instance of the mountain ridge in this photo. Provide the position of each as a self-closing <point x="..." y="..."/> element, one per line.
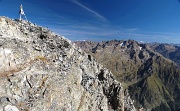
<point x="170" y="51"/>
<point x="45" y="71"/>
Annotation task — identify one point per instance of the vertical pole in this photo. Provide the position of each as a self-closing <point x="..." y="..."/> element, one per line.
<point x="20" y="12"/>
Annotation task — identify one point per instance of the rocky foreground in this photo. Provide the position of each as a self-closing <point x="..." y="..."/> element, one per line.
<point x="42" y="71"/>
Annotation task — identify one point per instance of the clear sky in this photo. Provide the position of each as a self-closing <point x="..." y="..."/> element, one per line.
<point x="99" y="20"/>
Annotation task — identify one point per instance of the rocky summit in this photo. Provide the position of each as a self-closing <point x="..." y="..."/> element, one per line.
<point x="152" y="80"/>
<point x="43" y="71"/>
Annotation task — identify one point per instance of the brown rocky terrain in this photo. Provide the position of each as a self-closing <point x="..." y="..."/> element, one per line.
<point x="152" y="80"/>
<point x="43" y="71"/>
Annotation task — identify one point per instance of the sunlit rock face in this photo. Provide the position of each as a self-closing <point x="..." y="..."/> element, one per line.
<point x="43" y="71"/>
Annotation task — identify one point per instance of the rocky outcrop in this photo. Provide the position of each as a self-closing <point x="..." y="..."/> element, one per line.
<point x="42" y="71"/>
<point x="152" y="80"/>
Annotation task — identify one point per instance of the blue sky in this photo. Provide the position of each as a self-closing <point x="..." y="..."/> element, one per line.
<point x="99" y="20"/>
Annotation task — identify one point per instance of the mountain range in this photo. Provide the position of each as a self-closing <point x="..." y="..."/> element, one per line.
<point x="150" y="72"/>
